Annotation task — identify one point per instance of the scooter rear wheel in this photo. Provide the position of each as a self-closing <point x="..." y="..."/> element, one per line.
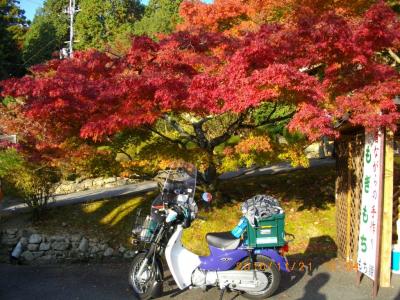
<point x="268" y="266"/>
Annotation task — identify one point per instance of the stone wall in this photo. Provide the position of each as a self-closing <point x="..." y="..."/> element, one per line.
<point x="80" y="184"/>
<point x="58" y="248"/>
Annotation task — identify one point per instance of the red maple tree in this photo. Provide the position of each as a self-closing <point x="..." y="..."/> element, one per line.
<point x="324" y="65"/>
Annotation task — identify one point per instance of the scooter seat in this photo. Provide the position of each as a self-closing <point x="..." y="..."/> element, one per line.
<point x="223" y="240"/>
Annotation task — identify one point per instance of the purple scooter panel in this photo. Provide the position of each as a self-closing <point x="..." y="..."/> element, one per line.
<point x="224" y="260"/>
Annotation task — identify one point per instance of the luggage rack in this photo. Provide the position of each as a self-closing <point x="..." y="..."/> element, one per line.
<point x="144" y="228"/>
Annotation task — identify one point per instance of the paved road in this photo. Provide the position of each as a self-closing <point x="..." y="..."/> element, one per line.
<point x="14" y="206"/>
<point x="10" y="206"/>
<point x="277" y="168"/>
<point x="109" y="281"/>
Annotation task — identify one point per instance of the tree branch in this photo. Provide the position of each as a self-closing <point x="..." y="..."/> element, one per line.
<point x="272" y="112"/>
<point x="278" y="119"/>
<point x="200" y="136"/>
<point x="164" y="136"/>
<point x="202" y="121"/>
<point x="126" y="153"/>
<point x="311" y="68"/>
<point x="191" y="119"/>
<point x="112" y="53"/>
<point x="178" y="128"/>
<point x="394" y="56"/>
<point x="229" y="131"/>
<point x="269" y="121"/>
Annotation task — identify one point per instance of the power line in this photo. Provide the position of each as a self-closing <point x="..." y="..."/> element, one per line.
<point x="40" y="50"/>
<point x="30" y="58"/>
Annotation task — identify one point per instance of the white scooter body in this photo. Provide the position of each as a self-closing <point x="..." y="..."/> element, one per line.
<point x="181" y="262"/>
<point x="184" y="264"/>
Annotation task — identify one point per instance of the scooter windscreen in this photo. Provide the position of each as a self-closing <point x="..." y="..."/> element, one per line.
<point x="178" y="185"/>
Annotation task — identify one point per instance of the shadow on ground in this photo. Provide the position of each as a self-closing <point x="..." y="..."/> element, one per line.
<point x="308" y="263"/>
<point x="313" y="188"/>
<point x="109" y="220"/>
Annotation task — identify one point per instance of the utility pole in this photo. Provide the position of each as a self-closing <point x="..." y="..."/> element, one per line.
<point x="71" y="11"/>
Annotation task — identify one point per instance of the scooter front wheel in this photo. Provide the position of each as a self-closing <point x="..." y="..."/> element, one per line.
<point x="268" y="266"/>
<point x="143" y="284"/>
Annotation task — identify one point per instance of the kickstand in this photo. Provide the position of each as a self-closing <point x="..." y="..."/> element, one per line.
<point x="221" y="295"/>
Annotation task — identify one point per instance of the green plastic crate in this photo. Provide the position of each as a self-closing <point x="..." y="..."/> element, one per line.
<point x="268" y="232"/>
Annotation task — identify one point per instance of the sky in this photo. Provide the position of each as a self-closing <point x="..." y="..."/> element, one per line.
<point x="30" y="6"/>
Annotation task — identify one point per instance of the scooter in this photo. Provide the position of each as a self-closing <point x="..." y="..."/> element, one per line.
<point x="232" y="264"/>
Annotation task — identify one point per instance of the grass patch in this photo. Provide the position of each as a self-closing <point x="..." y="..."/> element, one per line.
<point x="307" y="197"/>
<point x="109" y="220"/>
<point x="220" y="219"/>
<point x="314" y="230"/>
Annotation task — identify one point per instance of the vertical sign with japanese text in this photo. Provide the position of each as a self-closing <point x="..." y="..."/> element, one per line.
<point x="370" y="204"/>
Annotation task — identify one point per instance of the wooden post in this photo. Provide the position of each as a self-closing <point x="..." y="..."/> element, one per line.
<point x="348" y="201"/>
<point x="387" y="215"/>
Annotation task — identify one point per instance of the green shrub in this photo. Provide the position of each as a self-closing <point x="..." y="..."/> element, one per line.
<point x="36" y="186"/>
<point x="88" y="162"/>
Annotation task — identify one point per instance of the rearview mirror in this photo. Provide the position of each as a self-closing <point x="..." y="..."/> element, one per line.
<point x="207" y="197"/>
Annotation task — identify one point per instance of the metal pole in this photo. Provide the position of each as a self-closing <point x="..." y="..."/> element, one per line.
<point x="71" y="27"/>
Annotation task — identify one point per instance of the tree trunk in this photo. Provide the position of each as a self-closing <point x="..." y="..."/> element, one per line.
<point x="212" y="182"/>
<point x="210" y="175"/>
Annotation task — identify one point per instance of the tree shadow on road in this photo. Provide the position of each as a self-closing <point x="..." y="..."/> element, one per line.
<point x="110" y="220"/>
<point x="311" y="290"/>
<point x="305" y="264"/>
<point x="311" y="188"/>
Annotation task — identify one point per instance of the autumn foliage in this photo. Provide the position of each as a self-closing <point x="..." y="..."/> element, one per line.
<point x="326" y="65"/>
<point x="236" y="18"/>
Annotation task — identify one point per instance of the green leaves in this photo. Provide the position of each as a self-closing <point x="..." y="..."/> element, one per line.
<point x="10" y="160"/>
<point x="161" y="16"/>
<point x="12" y="27"/>
<point x="40" y="41"/>
<point x="98" y="23"/>
<point x="47" y="33"/>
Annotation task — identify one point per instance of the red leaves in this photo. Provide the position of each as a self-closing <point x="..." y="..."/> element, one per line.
<point x="378" y="30"/>
<point x="142" y="52"/>
<point x="372" y="106"/>
<point x="200" y="16"/>
<point x="245" y="87"/>
<point x="312" y="121"/>
<point x="323" y="63"/>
